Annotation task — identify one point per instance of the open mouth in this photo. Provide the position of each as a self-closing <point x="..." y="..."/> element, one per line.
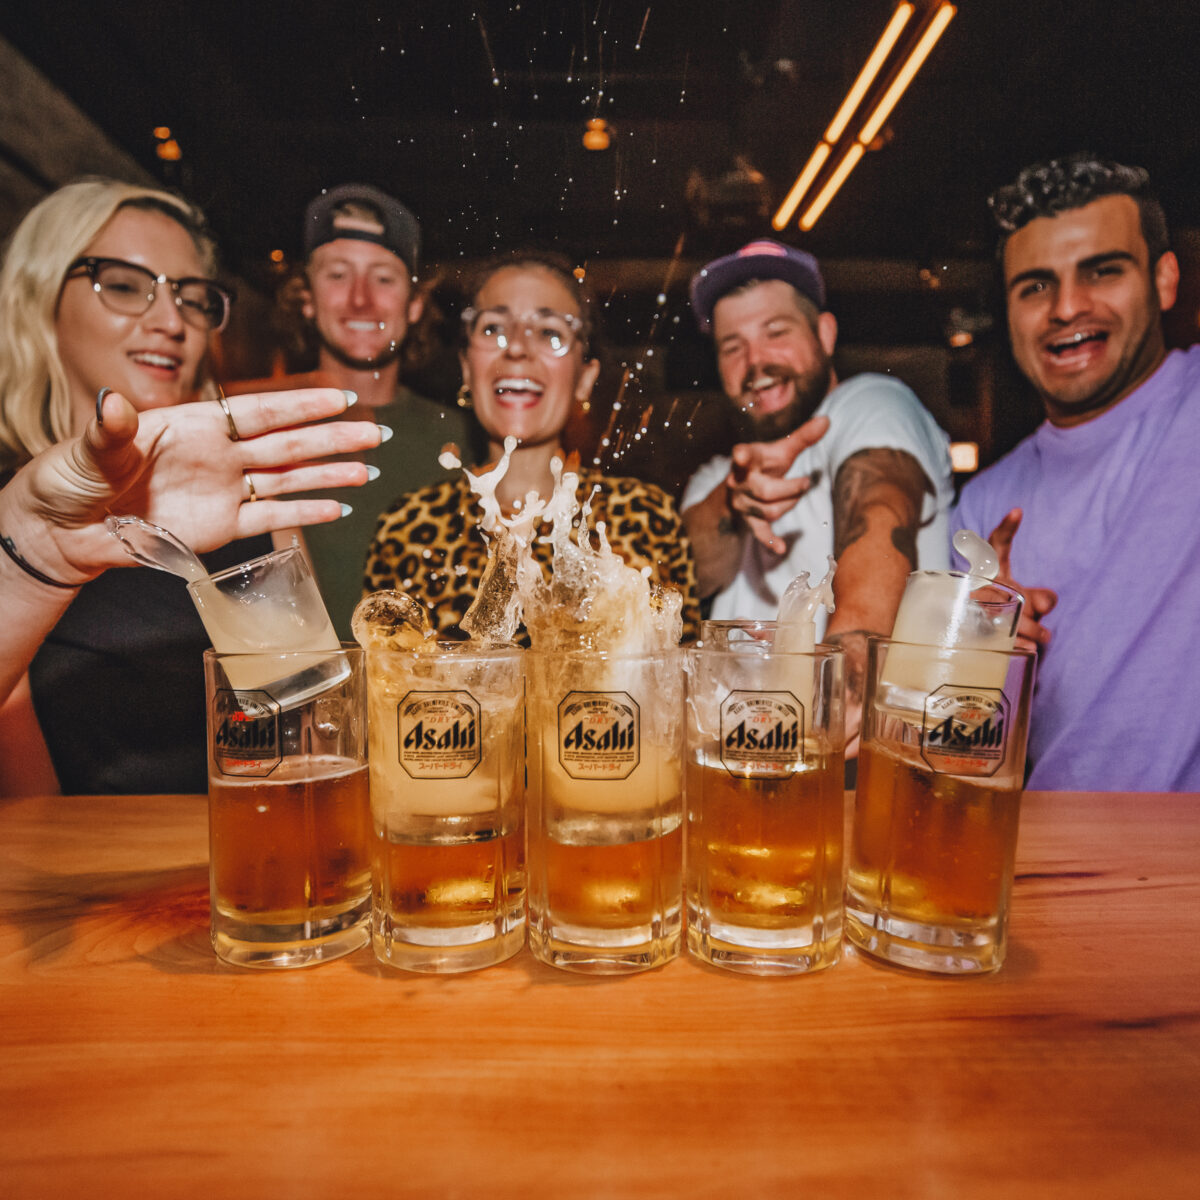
<point x="1083" y="340"/>
<point x="517" y="390"/>
<point x="365" y="326"/>
<point x="767" y="392"/>
<point x="160" y="362"/>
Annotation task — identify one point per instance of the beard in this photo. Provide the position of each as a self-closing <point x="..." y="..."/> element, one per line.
<point x="808" y="390"/>
<point x="373" y="363"/>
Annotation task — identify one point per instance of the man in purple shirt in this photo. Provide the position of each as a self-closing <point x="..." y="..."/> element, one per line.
<point x="1100" y="505"/>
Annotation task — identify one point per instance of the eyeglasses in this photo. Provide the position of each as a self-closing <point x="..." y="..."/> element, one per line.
<point x="128" y="289"/>
<point x="545" y="332"/>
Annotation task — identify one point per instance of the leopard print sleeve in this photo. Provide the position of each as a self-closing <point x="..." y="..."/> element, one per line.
<point x="428" y="546"/>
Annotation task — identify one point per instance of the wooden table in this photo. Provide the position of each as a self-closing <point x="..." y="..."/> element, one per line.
<point x="135" y="1064"/>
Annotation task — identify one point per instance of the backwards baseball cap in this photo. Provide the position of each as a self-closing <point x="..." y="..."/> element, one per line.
<point x="763" y="259"/>
<point x="393" y="226"/>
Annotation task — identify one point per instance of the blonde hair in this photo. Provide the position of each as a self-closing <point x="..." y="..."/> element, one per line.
<point x="35" y="404"/>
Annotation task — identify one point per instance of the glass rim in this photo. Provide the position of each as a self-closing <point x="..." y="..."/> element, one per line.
<point x="245" y="568"/>
<point x="347" y="648"/>
<point x="462" y="649"/>
<point x="609" y="655"/>
<point x="1015" y="652"/>
<point x="983" y="583"/>
<point x="819" y="651"/>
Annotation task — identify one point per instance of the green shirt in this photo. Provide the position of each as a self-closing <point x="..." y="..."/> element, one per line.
<point x="420" y="429"/>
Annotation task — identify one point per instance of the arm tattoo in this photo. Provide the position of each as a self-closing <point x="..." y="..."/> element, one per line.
<point x="879" y="478"/>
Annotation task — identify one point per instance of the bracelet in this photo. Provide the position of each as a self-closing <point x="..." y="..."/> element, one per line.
<point x="29" y="569"/>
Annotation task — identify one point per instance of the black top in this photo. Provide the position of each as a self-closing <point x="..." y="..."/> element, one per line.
<point x="118" y="686"/>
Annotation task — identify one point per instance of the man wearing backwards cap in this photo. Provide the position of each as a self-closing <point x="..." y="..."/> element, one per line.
<point x="363" y="248"/>
<point x="858" y="470"/>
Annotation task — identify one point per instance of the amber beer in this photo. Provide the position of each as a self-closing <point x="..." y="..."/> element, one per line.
<point x="936" y="814"/>
<point x="605" y="810"/>
<point x="764" y="804"/>
<point x="933" y="851"/>
<point x="290" y="850"/>
<point x="447" y="766"/>
<point x="289" y="819"/>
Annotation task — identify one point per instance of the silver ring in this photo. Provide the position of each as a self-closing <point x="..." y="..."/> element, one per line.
<point x="250" y="485"/>
<point x="234" y="436"/>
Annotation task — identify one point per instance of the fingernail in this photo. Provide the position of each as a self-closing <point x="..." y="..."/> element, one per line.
<point x="372" y="473"/>
<point x="351" y="397"/>
<point x="346" y="510"/>
<point x="100" y="405"/>
<point x="385" y="433"/>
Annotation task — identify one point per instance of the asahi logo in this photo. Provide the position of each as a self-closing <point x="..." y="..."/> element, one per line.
<point x="599" y="735"/>
<point x="245" y="733"/>
<point x="966" y="730"/>
<point x="439" y="734"/>
<point x="762" y="734"/>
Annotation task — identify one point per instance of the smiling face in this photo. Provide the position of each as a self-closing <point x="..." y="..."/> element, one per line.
<point x="774" y="356"/>
<point x="518" y="391"/>
<point x="153" y="359"/>
<point x="1084" y="306"/>
<point x="361" y="302"/>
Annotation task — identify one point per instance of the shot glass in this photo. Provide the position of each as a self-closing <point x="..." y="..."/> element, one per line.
<point x="605" y="809"/>
<point x="288" y="814"/>
<point x="765" y="802"/>
<point x="937" y="808"/>
<point x="951" y="610"/>
<point x="258" y="610"/>
<point x="447" y="770"/>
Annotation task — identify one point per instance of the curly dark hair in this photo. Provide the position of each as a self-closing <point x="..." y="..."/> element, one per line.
<point x="1046" y="189"/>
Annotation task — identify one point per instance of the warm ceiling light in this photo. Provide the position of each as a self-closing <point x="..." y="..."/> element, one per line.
<point x="836" y="180"/>
<point x="277" y="256"/>
<point x="169" y="150"/>
<point x="596" y="135"/>
<point x="867" y="75"/>
<point x="162" y="132"/>
<point x="792" y="200"/>
<point x="883" y="110"/>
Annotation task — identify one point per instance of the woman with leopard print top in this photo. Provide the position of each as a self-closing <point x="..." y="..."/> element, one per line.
<point x="524" y="365"/>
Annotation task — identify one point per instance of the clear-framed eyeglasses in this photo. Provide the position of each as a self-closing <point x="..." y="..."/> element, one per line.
<point x="126" y="288"/>
<point x="544" y="332"/>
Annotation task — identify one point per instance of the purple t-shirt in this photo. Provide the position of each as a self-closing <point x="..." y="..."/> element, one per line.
<point x="1112" y="524"/>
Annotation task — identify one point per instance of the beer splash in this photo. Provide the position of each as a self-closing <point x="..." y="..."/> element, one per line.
<point x="796" y="625"/>
<point x="592" y="599"/>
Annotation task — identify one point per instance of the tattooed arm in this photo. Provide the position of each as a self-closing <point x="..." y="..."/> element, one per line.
<point x="877" y="500"/>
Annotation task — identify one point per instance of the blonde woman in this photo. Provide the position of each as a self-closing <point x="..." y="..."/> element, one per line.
<point x="110" y="285"/>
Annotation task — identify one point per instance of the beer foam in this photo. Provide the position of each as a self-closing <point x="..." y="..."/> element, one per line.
<point x="592" y="600"/>
<point x="796" y="625"/>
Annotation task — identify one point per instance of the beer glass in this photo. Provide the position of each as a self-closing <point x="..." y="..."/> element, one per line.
<point x="765" y="801"/>
<point x="258" y="609"/>
<point x="288" y="815"/>
<point x="447" y="770"/>
<point x="936" y="808"/>
<point x="605" y="808"/>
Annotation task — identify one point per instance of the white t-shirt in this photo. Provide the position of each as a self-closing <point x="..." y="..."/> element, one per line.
<point x="865" y="413"/>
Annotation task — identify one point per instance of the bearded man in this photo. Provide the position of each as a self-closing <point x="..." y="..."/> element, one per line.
<point x="858" y="470"/>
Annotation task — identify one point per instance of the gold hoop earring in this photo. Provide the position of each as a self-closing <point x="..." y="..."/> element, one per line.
<point x="463" y="397"/>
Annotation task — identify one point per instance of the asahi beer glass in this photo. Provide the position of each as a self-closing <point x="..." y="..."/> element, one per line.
<point x="447" y="769"/>
<point x="765" y="802"/>
<point x="956" y="611"/>
<point x="288" y="815"/>
<point x="936" y="810"/>
<point x="605" y="808"/>
<point x="263" y="608"/>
